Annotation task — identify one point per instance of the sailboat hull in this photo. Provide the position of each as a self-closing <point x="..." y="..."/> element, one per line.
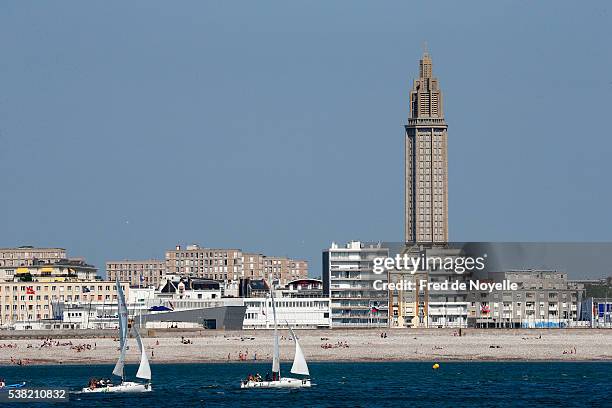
<point x="282" y="383"/>
<point x="123" y="387"/>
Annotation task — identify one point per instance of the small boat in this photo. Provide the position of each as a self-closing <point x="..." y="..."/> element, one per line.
<point x="5" y="387"/>
<point x="299" y="366"/>
<point x="144" y="370"/>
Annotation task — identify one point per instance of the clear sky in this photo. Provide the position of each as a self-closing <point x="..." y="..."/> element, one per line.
<point x="277" y="127"/>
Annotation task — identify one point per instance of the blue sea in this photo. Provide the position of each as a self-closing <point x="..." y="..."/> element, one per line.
<point x="414" y="384"/>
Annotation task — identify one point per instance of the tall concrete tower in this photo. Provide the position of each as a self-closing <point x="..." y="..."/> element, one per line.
<point x="426" y="161"/>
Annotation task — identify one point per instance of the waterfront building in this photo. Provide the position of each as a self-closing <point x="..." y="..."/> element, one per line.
<point x="348" y="279"/>
<point x="421" y="307"/>
<point x="139" y="273"/>
<point x="299" y="304"/>
<point x="544" y="298"/>
<point x="597" y="312"/>
<point x="30" y="302"/>
<point x="426" y="162"/>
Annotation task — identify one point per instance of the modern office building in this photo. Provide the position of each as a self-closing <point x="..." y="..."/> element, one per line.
<point x="426" y="163"/>
<point x="348" y="279"/>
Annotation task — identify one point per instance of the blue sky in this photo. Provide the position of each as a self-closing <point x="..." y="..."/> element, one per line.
<point x="277" y="127"/>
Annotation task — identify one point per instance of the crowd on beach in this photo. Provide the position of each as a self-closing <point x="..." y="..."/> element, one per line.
<point x="339" y="344"/>
<point x="20" y="361"/>
<point x="49" y="342"/>
<point x="8" y="345"/>
<point x="81" y="347"/>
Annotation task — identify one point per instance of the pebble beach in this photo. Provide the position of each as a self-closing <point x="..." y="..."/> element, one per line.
<point x="321" y="345"/>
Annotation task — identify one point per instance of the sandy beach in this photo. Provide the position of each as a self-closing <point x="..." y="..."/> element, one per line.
<point x="323" y="345"/>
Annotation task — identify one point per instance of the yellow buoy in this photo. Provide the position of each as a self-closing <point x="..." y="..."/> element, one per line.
<point x="436" y="366"/>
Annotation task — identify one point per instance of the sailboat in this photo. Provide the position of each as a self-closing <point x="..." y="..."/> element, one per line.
<point x="144" y="370"/>
<point x="299" y="366"/>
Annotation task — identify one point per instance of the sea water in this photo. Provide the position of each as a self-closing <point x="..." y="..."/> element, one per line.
<point x="414" y="384"/>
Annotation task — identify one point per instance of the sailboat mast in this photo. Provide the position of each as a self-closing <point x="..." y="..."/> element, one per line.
<point x="276" y="354"/>
<point x="123" y="323"/>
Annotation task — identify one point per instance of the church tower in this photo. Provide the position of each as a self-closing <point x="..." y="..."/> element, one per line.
<point x="426" y="161"/>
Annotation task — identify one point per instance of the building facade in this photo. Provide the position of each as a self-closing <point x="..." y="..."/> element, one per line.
<point x="31" y="302"/>
<point x="426" y="161"/>
<point x="27" y="255"/>
<point x="596" y="312"/>
<point x="543" y="299"/>
<point x="209" y="263"/>
<point x="232" y="264"/>
<point x="421" y="307"/>
<point x="301" y="304"/>
<point x="59" y="271"/>
<point x="284" y="269"/>
<point x="348" y="279"/>
<point x="138" y="273"/>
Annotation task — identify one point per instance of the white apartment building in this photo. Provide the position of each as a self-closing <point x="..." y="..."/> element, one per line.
<point x="348" y="279"/>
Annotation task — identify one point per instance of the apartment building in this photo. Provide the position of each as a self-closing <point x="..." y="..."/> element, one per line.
<point x="37" y="300"/>
<point x="42" y="271"/>
<point x="284" y="269"/>
<point x="544" y="298"/>
<point x="27" y="255"/>
<point x="138" y="273"/>
<point x="210" y="263"/>
<point x="220" y="264"/>
<point x="348" y="279"/>
<point x="421" y="307"/>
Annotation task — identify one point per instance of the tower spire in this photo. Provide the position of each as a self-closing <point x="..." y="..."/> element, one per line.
<point x="425" y="64"/>
<point x="426" y="163"/>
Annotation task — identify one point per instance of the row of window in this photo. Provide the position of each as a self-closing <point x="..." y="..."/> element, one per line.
<point x="57" y="288"/>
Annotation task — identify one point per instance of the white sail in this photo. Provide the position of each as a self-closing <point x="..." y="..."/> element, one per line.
<point x="299" y="362"/>
<point x="144" y="370"/>
<point x="123" y="328"/>
<point x="276" y="353"/>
